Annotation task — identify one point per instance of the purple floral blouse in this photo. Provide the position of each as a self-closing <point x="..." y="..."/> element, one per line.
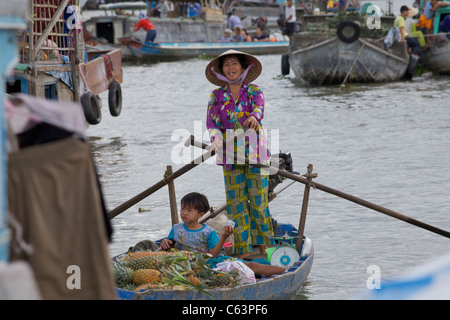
<point x="225" y="115"/>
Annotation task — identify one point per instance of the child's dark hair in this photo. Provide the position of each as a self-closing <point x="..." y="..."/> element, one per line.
<point x="197" y="201"/>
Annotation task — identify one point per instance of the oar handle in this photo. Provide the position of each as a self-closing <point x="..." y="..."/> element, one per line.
<point x="335" y="192"/>
<point x="144" y="194"/>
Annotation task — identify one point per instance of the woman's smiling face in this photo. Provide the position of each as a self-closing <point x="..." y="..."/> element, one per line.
<point x="232" y="68"/>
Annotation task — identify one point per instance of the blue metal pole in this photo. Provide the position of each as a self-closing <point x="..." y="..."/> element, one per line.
<point x="12" y="18"/>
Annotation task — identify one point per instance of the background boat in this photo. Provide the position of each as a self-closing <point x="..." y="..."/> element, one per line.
<point x="436" y="57"/>
<point x="53" y="63"/>
<point x="104" y="28"/>
<point x="186" y="50"/>
<point x="344" y="58"/>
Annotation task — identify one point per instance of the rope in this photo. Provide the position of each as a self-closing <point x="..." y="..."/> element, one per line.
<point x="86" y="87"/>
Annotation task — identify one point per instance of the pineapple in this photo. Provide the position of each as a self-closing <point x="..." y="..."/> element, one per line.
<point x="122" y="274"/>
<point x="223" y="280"/>
<point x="137" y="254"/>
<point x="194" y="280"/>
<point x="142" y="276"/>
<point x="143" y="262"/>
<point x="212" y="278"/>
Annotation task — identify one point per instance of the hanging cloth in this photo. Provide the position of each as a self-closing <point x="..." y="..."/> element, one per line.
<point x="54" y="193"/>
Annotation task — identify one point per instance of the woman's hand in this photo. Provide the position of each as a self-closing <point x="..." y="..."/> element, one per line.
<point x="251" y="123"/>
<point x="217" y="144"/>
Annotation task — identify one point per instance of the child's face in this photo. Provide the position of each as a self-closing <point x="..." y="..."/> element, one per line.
<point x="189" y="214"/>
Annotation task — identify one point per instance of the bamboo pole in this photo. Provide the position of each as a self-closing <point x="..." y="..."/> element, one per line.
<point x="172" y="198"/>
<point x="301" y="227"/>
<point x="338" y="193"/>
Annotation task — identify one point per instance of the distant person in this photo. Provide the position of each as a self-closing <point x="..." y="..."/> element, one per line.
<point x="171" y="13"/>
<point x="119" y="12"/>
<point x="237" y="35"/>
<point x="425" y="25"/>
<point x="259" y="35"/>
<point x="432" y="6"/>
<point x="245" y="35"/>
<point x="226" y="35"/>
<point x="163" y="8"/>
<point x="233" y="21"/>
<point x="147" y="26"/>
<point x="194" y="9"/>
<point x="290" y="19"/>
<point x="445" y="25"/>
<point x="160" y="10"/>
<point x="412" y="42"/>
<point x="342" y="5"/>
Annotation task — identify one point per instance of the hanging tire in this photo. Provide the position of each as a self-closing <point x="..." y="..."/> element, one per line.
<point x="285" y="64"/>
<point x="348" y="31"/>
<point x="91" y="105"/>
<point x="115" y="98"/>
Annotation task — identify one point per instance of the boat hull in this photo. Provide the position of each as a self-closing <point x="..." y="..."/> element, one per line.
<point x="284" y="286"/>
<point x="334" y="62"/>
<point x="184" y="50"/>
<point x="436" y="58"/>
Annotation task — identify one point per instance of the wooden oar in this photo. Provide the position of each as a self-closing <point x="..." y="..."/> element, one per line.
<point x="215" y="213"/>
<point x="335" y="192"/>
<point x="124" y="206"/>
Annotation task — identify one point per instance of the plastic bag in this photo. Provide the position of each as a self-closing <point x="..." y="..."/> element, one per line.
<point x="392" y="36"/>
<point x="246" y="275"/>
<point x="218" y="224"/>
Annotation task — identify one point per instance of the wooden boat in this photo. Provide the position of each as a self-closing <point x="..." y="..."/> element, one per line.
<point x="436" y="58"/>
<point x="279" y="287"/>
<point x="319" y="60"/>
<point x="283" y="286"/>
<point x="294" y="251"/>
<point x="104" y="28"/>
<point x="53" y="63"/>
<point x="187" y="50"/>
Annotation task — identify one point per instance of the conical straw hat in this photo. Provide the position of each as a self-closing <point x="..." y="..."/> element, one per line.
<point x="412" y="12"/>
<point x="253" y="73"/>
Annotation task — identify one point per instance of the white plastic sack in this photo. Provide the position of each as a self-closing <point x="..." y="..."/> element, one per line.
<point x="246" y="275"/>
<point x="218" y="224"/>
<point x="392" y="36"/>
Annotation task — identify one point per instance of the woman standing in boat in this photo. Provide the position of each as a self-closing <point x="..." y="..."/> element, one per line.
<point x="239" y="105"/>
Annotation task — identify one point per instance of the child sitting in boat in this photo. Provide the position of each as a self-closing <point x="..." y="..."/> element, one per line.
<point x="194" y="236"/>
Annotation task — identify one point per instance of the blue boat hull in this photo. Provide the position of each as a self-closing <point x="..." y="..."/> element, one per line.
<point x="279" y="287"/>
<point x="184" y="50"/>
